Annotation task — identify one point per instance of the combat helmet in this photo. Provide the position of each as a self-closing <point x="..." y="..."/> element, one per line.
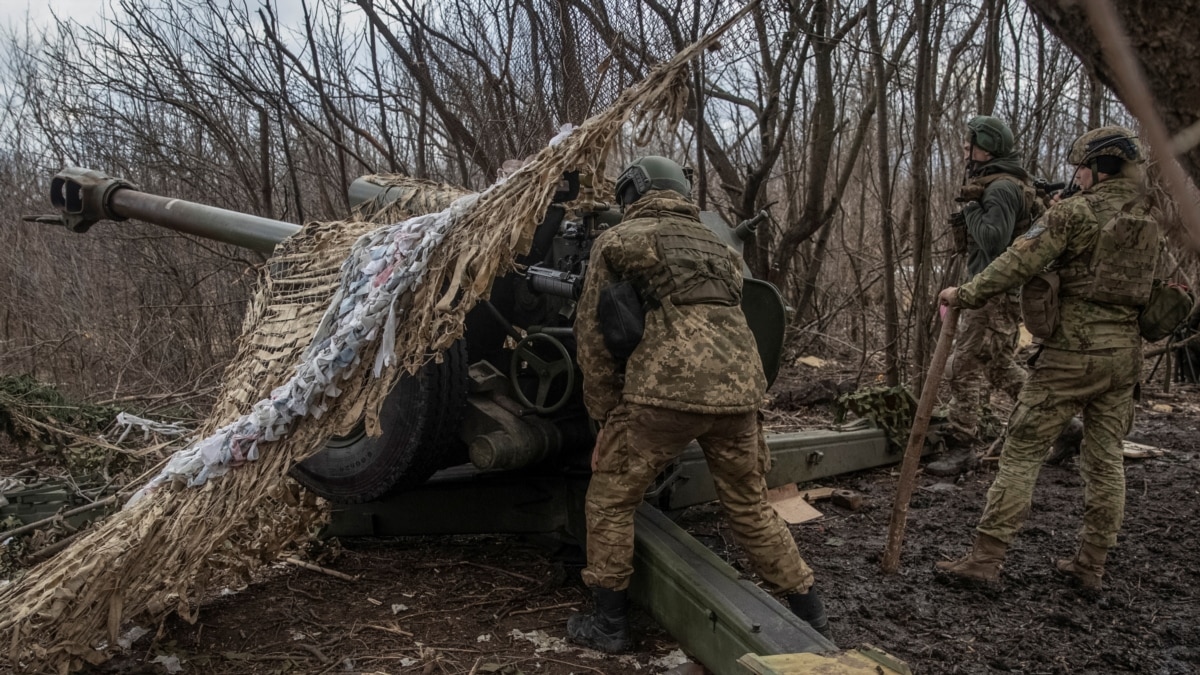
<point x="991" y="134"/>
<point x="651" y="173"/>
<point x="1111" y="141"/>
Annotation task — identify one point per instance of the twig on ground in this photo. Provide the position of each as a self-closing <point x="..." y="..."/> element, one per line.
<point x="572" y="664"/>
<point x="316" y="652"/>
<point x="302" y="592"/>
<point x="501" y="571"/>
<point x="244" y="656"/>
<point x="534" y="610"/>
<point x="395" y="630"/>
<point x="317" y="568"/>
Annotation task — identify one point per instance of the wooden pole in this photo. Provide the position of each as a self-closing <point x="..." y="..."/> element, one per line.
<point x="56" y="517"/>
<point x="916" y="441"/>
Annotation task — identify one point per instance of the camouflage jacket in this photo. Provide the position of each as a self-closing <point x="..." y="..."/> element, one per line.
<point x="999" y="201"/>
<point x="694" y="356"/>
<point x="1064" y="239"/>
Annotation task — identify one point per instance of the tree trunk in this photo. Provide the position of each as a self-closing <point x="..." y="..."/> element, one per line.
<point x="921" y="240"/>
<point x="886" y="224"/>
<point x="822" y="134"/>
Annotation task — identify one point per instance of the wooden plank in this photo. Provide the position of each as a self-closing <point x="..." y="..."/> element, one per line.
<point x="866" y="661"/>
<point x="817" y="494"/>
<point x="791" y="505"/>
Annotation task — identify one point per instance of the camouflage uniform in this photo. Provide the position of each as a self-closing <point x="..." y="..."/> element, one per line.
<point x="1092" y="361"/>
<point x="695" y="375"/>
<point x="1001" y="204"/>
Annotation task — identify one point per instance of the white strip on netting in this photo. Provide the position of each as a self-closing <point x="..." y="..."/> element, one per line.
<point x="382" y="266"/>
<point x="126" y="423"/>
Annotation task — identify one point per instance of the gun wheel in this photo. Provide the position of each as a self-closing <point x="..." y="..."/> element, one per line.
<point x="420" y="418"/>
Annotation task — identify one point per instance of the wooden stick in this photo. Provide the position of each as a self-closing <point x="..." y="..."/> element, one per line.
<point x="50" y="549"/>
<point x="56" y="517"/>
<point x="323" y="570"/>
<point x="916" y="441"/>
<point x="1151" y="353"/>
<point x="532" y="610"/>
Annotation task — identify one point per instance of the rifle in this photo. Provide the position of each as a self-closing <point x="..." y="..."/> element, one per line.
<point x="1047" y="190"/>
<point x="1043" y="185"/>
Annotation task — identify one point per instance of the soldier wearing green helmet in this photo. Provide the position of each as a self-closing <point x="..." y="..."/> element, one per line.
<point x="999" y="203"/>
<point x="1102" y="246"/>
<point x="692" y="373"/>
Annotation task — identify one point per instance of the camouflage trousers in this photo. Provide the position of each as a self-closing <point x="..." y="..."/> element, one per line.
<point x="984" y="346"/>
<point x="636" y="444"/>
<point x="1101" y="385"/>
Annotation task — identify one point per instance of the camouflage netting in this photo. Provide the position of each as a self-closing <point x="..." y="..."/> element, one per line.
<point x="160" y="554"/>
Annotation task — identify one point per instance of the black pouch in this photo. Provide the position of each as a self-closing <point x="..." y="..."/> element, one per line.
<point x="622" y="319"/>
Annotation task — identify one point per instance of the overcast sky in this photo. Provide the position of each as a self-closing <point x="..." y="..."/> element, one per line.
<point x="14" y="12"/>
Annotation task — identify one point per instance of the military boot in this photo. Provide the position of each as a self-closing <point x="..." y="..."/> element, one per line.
<point x="983" y="563"/>
<point x="606" y="629"/>
<point x="1087" y="566"/>
<point x="958" y="462"/>
<point x="959" y="456"/>
<point x="1067" y="444"/>
<point x="808" y="606"/>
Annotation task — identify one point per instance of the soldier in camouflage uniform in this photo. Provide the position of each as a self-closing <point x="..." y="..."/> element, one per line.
<point x="1000" y="203"/>
<point x="1104" y="246"/>
<point x="695" y="374"/>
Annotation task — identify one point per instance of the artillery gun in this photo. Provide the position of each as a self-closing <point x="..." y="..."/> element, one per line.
<point x="499" y="423"/>
<point x="509" y="388"/>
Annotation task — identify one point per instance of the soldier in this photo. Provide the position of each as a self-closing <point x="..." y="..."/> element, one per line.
<point x="1000" y="204"/>
<point x="693" y="373"/>
<point x="1104" y="246"/>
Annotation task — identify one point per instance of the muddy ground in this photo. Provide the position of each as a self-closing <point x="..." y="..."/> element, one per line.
<point x="498" y="604"/>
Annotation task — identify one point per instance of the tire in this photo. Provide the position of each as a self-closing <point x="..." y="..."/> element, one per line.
<point x="420" y="417"/>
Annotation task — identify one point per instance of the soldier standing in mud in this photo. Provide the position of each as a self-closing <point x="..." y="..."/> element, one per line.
<point x="1103" y="244"/>
<point x="1000" y="203"/>
<point x="691" y="373"/>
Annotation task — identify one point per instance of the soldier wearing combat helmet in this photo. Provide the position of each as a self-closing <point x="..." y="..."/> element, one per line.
<point x="1000" y="203"/>
<point x="694" y="373"/>
<point x="1103" y="244"/>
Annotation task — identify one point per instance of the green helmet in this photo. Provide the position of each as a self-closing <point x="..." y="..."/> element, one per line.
<point x="1106" y="141"/>
<point x="651" y="173"/>
<point x="991" y="134"/>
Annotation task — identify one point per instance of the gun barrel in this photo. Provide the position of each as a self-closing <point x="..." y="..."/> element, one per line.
<point x="86" y="197"/>
<point x="240" y="229"/>
<point x="748" y="227"/>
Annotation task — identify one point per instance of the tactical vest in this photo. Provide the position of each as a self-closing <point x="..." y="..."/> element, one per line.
<point x="972" y="191"/>
<point x="1119" y="268"/>
<point x="695" y="267"/>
